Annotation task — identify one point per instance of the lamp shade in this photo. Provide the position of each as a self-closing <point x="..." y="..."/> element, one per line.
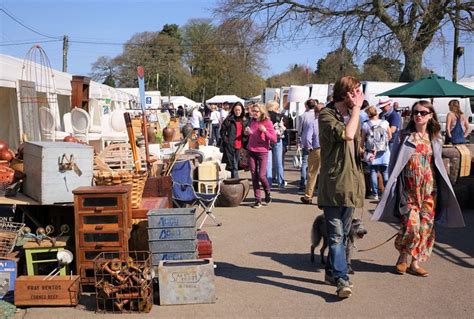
<point x="298" y="93"/>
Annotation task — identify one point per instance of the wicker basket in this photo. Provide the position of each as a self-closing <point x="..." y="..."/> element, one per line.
<point x="136" y="180"/>
<point x="17" y="165"/>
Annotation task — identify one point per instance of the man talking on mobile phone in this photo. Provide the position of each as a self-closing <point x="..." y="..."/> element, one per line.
<point x="342" y="187"/>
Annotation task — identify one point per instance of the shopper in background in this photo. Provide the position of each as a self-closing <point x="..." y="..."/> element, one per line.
<point x="306" y="124"/>
<point x="311" y="139"/>
<point x="260" y="134"/>
<point x="376" y="134"/>
<point x="232" y="138"/>
<point x="195" y="120"/>
<point x="275" y="154"/>
<point x="215" y="124"/>
<point x="457" y="125"/>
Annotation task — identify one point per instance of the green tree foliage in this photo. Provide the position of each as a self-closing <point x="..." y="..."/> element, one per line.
<point x="105" y="69"/>
<point x="336" y="64"/>
<point x="109" y="80"/>
<point x="199" y="60"/>
<point x="379" y="68"/>
<point x="296" y="75"/>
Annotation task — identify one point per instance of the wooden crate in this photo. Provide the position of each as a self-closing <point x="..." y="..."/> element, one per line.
<point x="46" y="182"/>
<point x="59" y="291"/>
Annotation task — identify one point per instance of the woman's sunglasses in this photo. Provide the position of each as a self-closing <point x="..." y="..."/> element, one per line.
<point x="422" y="113"/>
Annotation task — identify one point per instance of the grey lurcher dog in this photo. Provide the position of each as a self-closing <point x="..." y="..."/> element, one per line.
<point x="318" y="232"/>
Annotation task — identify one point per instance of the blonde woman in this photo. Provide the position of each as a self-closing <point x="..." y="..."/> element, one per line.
<point x="275" y="154"/>
<point x="261" y="134"/>
<point x="457" y="125"/>
<point x="376" y="156"/>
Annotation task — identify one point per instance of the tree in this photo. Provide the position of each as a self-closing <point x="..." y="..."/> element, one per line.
<point x="160" y="54"/>
<point x="105" y="69"/>
<point x="373" y="24"/>
<point x="109" y="80"/>
<point x="336" y="64"/>
<point x="379" y="68"/>
<point x="296" y="75"/>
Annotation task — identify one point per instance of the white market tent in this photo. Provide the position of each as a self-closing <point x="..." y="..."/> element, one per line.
<point x="180" y="100"/>
<point x="11" y="69"/>
<point x="467" y="81"/>
<point x="225" y="98"/>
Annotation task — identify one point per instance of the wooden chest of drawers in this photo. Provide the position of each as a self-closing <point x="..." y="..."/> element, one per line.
<point x="103" y="219"/>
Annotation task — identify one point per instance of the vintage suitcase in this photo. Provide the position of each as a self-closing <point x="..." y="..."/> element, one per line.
<point x="204" y="245"/>
<point x="54" y="169"/>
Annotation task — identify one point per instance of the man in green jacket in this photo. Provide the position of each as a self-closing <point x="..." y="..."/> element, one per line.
<point x="341" y="179"/>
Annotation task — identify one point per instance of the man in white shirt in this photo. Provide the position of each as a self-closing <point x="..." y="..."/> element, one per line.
<point x="195" y="120"/>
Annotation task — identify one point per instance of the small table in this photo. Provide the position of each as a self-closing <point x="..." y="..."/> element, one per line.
<point x="40" y="254"/>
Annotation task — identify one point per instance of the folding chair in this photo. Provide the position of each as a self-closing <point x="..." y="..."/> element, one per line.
<point x="184" y="192"/>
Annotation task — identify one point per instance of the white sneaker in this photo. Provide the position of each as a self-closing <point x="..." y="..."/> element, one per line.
<point x="373" y="197"/>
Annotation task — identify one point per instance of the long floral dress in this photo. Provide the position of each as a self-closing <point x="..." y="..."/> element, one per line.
<point x="416" y="236"/>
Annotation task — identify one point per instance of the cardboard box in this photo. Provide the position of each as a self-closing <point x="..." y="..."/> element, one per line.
<point x="46" y="180"/>
<point x="59" y="291"/>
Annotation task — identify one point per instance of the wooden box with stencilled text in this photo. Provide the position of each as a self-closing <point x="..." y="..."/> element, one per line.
<point x="59" y="291"/>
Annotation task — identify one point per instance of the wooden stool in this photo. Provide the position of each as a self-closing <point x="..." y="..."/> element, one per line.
<point x="34" y="258"/>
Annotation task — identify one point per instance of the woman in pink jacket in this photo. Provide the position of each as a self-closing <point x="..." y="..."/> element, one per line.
<point x="261" y="133"/>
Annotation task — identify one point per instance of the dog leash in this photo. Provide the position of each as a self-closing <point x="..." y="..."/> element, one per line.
<point x="362" y="250"/>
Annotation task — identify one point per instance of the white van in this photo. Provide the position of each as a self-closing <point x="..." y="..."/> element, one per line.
<point x="372" y="89"/>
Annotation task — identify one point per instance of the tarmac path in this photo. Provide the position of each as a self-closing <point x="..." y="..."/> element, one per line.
<point x="264" y="270"/>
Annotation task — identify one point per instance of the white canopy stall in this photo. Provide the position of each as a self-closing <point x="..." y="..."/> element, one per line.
<point x="11" y="71"/>
<point x="225" y="98"/>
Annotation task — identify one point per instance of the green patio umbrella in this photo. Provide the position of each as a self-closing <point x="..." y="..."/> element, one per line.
<point x="430" y="86"/>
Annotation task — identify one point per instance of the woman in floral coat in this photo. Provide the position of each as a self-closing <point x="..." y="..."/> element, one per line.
<point x="418" y="191"/>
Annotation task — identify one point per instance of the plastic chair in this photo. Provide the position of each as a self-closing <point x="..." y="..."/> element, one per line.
<point x="184" y="193"/>
<point x="48" y="125"/>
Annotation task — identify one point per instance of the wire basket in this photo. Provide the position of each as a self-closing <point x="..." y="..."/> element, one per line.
<point x="8" y="234"/>
<point x="123" y="282"/>
<point x="136" y="180"/>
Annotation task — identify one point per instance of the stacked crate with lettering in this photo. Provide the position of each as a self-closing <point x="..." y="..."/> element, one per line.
<point x="103" y="218"/>
<point x="172" y="234"/>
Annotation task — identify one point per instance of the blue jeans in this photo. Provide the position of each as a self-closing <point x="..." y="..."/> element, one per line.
<point x="304" y="167"/>
<point x="338" y="225"/>
<point x="373" y="177"/>
<point x="214" y="140"/>
<point x="275" y="164"/>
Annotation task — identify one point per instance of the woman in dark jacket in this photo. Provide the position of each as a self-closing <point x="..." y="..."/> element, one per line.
<point x="233" y="139"/>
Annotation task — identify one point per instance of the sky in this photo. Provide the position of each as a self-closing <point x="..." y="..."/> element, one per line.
<point x="115" y="21"/>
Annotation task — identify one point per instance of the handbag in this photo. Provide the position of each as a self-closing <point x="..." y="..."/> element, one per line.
<point x="243" y="159"/>
<point x="297" y="159"/>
